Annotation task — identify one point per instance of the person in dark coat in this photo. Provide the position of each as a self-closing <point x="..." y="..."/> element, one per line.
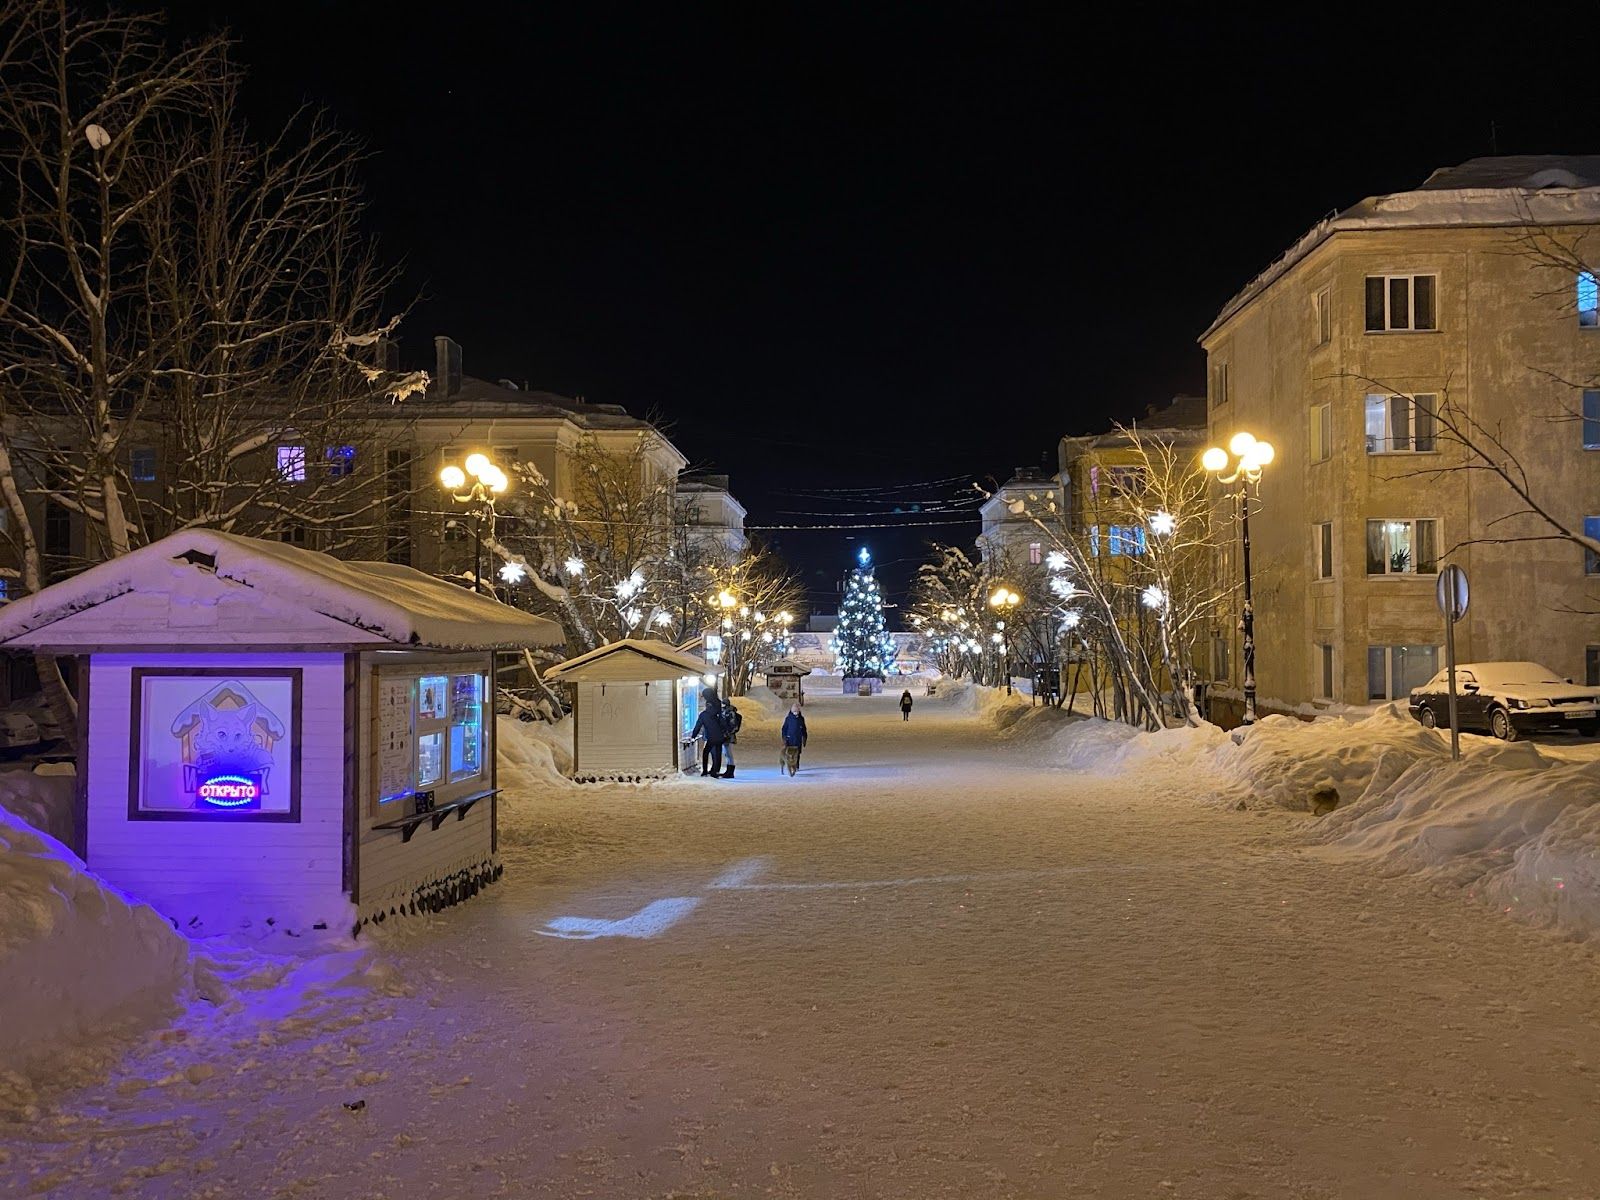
<point x="711" y="728"/>
<point x="905" y="705"/>
<point x="794" y="737"/>
<point x="732" y="719"/>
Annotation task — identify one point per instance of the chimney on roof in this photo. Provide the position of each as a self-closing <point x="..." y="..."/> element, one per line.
<point x="447" y="369"/>
<point x="386" y="354"/>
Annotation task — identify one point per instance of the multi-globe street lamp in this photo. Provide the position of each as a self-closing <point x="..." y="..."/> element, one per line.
<point x="488" y="481"/>
<point x="1241" y="464"/>
<point x="1004" y="601"/>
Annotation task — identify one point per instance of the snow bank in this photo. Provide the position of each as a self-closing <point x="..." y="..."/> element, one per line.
<point x="534" y="755"/>
<point x="1525" y="838"/>
<point x="80" y="959"/>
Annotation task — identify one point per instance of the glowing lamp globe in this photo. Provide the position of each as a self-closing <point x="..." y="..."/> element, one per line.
<point x="1240" y="444"/>
<point x="477" y="464"/>
<point x="1214" y="459"/>
<point x="453" y="477"/>
<point x="1264" y="453"/>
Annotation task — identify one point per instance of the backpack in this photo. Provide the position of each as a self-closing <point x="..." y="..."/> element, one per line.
<point x="732" y="719"/>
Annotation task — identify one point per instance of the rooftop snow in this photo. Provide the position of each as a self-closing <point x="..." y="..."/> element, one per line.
<point x="660" y="652"/>
<point x="1480" y="193"/>
<point x="397" y="603"/>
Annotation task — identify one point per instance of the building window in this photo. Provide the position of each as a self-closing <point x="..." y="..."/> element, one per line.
<point x="1402" y="424"/>
<point x="1035" y="553"/>
<point x="144" y="464"/>
<point x="1126" y="539"/>
<point x="1591" y="419"/>
<point x="1325" y="672"/>
<point x="1128" y="481"/>
<point x="1401" y="302"/>
<point x="293" y="533"/>
<point x="1392" y="671"/>
<point x="1591" y="560"/>
<point x="1219" y="383"/>
<point x="1321" y="432"/>
<point x="1403" y="547"/>
<point x="1220" y="667"/>
<point x="1591" y="666"/>
<point x="1322" y="544"/>
<point x="1322" y="316"/>
<point x="341" y="461"/>
<point x="1588" y="300"/>
<point x="292" y="464"/>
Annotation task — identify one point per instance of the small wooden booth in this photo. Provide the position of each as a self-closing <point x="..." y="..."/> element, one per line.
<point x="634" y="703"/>
<point x="785" y="678"/>
<point x="266" y="731"/>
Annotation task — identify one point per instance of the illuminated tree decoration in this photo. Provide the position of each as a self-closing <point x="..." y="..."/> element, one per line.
<point x="861" y="641"/>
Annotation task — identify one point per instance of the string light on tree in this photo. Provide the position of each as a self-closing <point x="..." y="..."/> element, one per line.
<point x="861" y="639"/>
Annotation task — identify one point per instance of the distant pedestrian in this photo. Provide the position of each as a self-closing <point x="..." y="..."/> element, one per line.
<point x="905" y="705"/>
<point x="710" y="727"/>
<point x="731" y="721"/>
<point x="794" y="737"/>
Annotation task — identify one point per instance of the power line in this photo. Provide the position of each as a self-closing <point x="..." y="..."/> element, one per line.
<point x="869" y="525"/>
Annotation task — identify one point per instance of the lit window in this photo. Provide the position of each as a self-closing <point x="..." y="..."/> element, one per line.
<point x="1591" y="419"/>
<point x="292" y="464"/>
<point x="143" y="464"/>
<point x="1401" y="302"/>
<point x="1126" y="539"/>
<point x="1588" y="300"/>
<point x="1219" y="383"/>
<point x="1402" y="424"/>
<point x="341" y="461"/>
<point x="1591" y="560"/>
<point x="1408" y="547"/>
<point x="1035" y="553"/>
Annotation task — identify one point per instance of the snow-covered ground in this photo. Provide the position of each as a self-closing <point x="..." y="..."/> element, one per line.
<point x="984" y="953"/>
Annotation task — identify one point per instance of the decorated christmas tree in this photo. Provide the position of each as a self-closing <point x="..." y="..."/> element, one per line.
<point x="862" y="646"/>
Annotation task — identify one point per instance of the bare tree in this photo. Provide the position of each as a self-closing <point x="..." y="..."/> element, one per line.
<point x="175" y="287"/>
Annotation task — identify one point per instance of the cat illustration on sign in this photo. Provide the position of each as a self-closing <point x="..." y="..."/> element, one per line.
<point x="227" y="738"/>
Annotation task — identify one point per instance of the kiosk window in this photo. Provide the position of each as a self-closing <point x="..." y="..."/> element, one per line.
<point x="430" y="759"/>
<point x="466" y="726"/>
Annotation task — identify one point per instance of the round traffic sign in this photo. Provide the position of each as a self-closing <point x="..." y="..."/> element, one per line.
<point x="1452" y="591"/>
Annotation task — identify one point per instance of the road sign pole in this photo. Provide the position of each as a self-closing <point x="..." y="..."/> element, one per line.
<point x="1450" y="672"/>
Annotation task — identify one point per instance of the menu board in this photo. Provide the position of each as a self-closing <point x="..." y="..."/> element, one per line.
<point x="395" y="749"/>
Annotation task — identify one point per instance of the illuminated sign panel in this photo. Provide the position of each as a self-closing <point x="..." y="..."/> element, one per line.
<point x="214" y="743"/>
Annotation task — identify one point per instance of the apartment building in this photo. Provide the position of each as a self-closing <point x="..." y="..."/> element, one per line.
<point x="1462" y="300"/>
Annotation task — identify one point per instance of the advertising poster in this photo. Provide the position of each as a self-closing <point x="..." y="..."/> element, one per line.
<point x="212" y="744"/>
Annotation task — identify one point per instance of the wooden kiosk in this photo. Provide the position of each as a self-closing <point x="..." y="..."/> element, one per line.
<point x="634" y="703"/>
<point x="266" y="731"/>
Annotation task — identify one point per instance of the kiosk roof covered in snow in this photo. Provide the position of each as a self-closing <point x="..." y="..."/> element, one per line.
<point x="633" y="659"/>
<point x="222" y="589"/>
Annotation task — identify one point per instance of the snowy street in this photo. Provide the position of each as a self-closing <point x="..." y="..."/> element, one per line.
<point x="922" y="968"/>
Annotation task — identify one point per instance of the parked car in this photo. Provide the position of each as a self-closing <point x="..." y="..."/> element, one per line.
<point x="1508" y="699"/>
<point x="17" y="730"/>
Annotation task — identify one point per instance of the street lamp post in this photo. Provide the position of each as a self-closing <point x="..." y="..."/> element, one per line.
<point x="1246" y="456"/>
<point x="488" y="481"/>
<point x="1004" y="601"/>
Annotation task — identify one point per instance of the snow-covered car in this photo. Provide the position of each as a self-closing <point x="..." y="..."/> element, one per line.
<point x="44" y="720"/>
<point x="17" y="730"/>
<point x="1508" y="699"/>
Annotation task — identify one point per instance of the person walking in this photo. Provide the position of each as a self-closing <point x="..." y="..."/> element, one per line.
<point x="905" y="705"/>
<point x="731" y="721"/>
<point x="709" y="726"/>
<point x="794" y="737"/>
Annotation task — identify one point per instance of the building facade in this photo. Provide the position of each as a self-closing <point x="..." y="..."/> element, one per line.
<point x="1382" y="326"/>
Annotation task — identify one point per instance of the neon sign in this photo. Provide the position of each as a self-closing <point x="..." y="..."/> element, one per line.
<point x="229" y="791"/>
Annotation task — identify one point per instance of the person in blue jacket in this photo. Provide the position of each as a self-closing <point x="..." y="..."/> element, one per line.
<point x="794" y="737"/>
<point x="715" y="733"/>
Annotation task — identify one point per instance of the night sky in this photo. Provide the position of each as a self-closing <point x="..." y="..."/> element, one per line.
<point x="895" y="248"/>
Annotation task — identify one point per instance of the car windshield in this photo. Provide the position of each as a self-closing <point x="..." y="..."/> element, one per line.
<point x="1516" y="672"/>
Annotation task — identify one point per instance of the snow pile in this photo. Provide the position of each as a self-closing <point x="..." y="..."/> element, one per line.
<point x="1180" y="756"/>
<point x="79" y="958"/>
<point x="1523" y="838"/>
<point x="534" y="755"/>
<point x="42" y="797"/>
